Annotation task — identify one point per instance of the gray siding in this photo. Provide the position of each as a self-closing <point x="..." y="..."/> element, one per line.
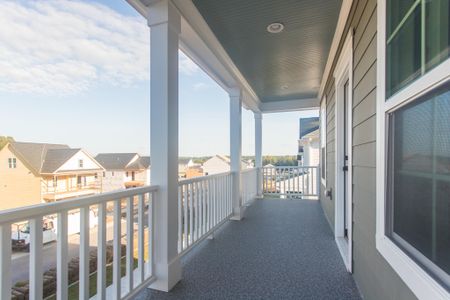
<point x="374" y="276"/>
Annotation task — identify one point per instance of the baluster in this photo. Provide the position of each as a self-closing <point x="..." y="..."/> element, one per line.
<point x="141" y="245"/>
<point x="180" y="220"/>
<point x="151" y="236"/>
<point x="84" y="253"/>
<point x="205" y="194"/>
<point x="200" y="209"/>
<point x="130" y="244"/>
<point x="5" y="261"/>
<point x="191" y="213"/>
<point x="61" y="257"/>
<point x="117" y="255"/>
<point x="185" y="206"/>
<point x="101" y="252"/>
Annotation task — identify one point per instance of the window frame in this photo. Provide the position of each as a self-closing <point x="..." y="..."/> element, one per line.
<point x="323" y="140"/>
<point x="421" y="283"/>
<point x="12" y="163"/>
<point x="81" y="163"/>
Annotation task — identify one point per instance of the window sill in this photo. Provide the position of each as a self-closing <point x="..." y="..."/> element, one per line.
<point x="417" y="279"/>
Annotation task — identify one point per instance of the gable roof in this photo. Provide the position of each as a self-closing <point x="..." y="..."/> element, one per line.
<point x="308" y="125"/>
<point x="55" y="158"/>
<point x="115" y="161"/>
<point x="143" y="162"/>
<point x="35" y="154"/>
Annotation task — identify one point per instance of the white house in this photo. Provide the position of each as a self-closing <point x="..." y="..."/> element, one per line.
<point x="308" y="143"/>
<point x="124" y="170"/>
<point x="220" y="164"/>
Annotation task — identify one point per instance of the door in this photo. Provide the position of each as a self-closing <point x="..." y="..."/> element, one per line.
<point x="343" y="155"/>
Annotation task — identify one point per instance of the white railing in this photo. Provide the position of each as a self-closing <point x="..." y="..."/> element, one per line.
<point x="292" y="182"/>
<point x="130" y="202"/>
<point x="204" y="203"/>
<point x="249" y="185"/>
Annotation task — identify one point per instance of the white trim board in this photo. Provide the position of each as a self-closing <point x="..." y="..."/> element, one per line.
<point x="338" y="34"/>
<point x="422" y="284"/>
<point x="342" y="73"/>
<point x="323" y="140"/>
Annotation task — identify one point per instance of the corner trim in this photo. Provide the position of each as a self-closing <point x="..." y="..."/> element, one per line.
<point x="342" y="21"/>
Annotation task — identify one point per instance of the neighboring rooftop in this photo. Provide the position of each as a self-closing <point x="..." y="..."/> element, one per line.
<point x="115" y="161"/>
<point x="34" y="155"/>
<point x="308" y="125"/>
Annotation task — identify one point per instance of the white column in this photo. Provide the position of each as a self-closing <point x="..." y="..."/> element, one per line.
<point x="258" y="151"/>
<point x="235" y="150"/>
<point x="164" y="22"/>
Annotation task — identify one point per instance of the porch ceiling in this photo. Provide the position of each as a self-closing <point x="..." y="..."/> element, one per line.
<point x="284" y="66"/>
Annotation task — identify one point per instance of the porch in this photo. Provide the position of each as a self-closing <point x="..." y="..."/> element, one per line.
<point x="282" y="249"/>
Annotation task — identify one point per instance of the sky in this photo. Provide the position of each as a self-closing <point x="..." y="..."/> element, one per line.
<point x="77" y="72"/>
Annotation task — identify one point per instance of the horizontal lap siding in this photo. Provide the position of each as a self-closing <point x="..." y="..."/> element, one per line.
<point x="327" y="203"/>
<point x="374" y="276"/>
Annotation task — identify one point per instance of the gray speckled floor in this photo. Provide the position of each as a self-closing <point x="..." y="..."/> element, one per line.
<point x="281" y="250"/>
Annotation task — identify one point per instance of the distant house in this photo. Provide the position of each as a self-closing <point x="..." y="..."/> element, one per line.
<point x="32" y="173"/>
<point x="183" y="165"/>
<point x="308" y="143"/>
<point x="124" y="170"/>
<point x="221" y="164"/>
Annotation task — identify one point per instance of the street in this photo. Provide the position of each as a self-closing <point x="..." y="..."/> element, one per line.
<point x="20" y="260"/>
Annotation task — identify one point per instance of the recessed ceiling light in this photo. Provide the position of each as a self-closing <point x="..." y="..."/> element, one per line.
<point x="275" y="27"/>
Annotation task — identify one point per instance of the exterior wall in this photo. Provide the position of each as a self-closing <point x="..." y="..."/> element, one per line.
<point x="311" y="153"/>
<point x="373" y="275"/>
<point x="19" y="186"/>
<point x="112" y="182"/>
<point x="73" y="163"/>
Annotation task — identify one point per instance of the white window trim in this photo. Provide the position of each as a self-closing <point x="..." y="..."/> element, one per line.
<point x="343" y="72"/>
<point x="323" y="139"/>
<point x="416" y="278"/>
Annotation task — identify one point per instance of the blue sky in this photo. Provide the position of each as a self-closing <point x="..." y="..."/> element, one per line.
<point x="66" y="77"/>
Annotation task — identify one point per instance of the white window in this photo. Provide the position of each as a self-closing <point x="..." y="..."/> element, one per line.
<point x="323" y="141"/>
<point x="12" y="163"/>
<point x="80" y="163"/>
<point x="413" y="143"/>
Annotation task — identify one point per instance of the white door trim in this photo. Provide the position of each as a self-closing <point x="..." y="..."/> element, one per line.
<point x="342" y="73"/>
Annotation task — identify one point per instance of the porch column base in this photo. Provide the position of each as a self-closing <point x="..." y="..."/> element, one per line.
<point x="238" y="213"/>
<point x="167" y="275"/>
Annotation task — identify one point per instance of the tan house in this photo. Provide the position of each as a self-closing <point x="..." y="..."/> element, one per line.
<point x="32" y="173"/>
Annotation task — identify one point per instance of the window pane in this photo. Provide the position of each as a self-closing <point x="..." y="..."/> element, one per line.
<point x="396" y="11"/>
<point x="403" y="55"/>
<point x="419" y="182"/>
<point x="437" y="30"/>
<point x="418" y="39"/>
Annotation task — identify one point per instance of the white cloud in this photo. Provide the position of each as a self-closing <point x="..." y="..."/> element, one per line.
<point x="186" y="65"/>
<point x="60" y="47"/>
<point x="200" y="86"/>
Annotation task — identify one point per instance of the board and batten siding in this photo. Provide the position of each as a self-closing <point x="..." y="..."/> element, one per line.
<point x="374" y="276"/>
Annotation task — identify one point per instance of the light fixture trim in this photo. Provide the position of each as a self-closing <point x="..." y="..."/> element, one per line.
<point x="275" y="27"/>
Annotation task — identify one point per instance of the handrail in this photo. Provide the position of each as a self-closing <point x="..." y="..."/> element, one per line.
<point x="138" y="219"/>
<point x="249" y="170"/>
<point x="17" y="214"/>
<point x="201" y="178"/>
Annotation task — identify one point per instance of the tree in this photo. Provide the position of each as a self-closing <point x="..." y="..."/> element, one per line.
<point x="5" y="140"/>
